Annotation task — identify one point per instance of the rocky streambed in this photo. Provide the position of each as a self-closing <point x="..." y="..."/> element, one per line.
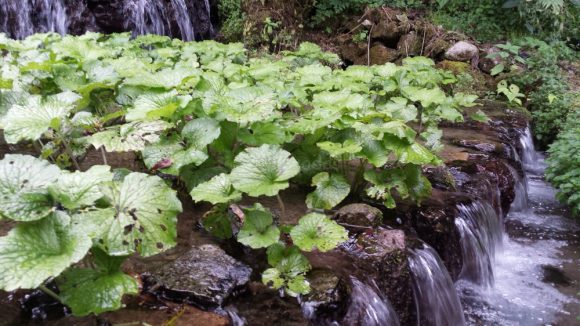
<point x="490" y="247"/>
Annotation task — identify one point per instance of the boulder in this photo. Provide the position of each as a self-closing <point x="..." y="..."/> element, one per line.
<point x="205" y="276"/>
<point x="358" y="217"/>
<point x="462" y="51"/>
<point x="377" y="256"/>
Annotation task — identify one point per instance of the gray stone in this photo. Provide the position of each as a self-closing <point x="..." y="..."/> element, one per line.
<point x="462" y="51"/>
<point x="204" y="275"/>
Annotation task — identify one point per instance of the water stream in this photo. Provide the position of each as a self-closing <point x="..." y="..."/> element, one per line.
<point x="539" y="238"/>
<point x="435" y="296"/>
<point x="368" y="308"/>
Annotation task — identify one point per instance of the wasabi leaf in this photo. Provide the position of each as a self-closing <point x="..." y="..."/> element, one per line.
<point x="317" y="231"/>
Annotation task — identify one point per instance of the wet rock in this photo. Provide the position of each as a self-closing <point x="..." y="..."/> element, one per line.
<point x="409" y="44"/>
<point x="204" y="276"/>
<point x="434" y="223"/>
<point x="380" y="54"/>
<point x="486" y="147"/>
<point x="555" y="275"/>
<point x="328" y="295"/>
<point x="376" y="257"/>
<point x="440" y="178"/>
<point x="264" y="306"/>
<point x="462" y="51"/>
<point x="358" y="217"/>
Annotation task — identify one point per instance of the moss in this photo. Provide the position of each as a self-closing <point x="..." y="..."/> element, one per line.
<point x="456" y="67"/>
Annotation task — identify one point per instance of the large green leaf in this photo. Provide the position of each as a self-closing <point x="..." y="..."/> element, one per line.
<point x="148" y="107"/>
<point x="129" y="137"/>
<point x="144" y="216"/>
<point x="348" y="147"/>
<point x="317" y="231"/>
<point x="258" y="230"/>
<point x="217" y="190"/>
<point x="331" y="189"/>
<point x="23" y="187"/>
<point x="31" y="120"/>
<point x="201" y="132"/>
<point x="263" y="170"/>
<point x="77" y="189"/>
<point x="35" y="251"/>
<point x="170" y="154"/>
<point x="98" y="290"/>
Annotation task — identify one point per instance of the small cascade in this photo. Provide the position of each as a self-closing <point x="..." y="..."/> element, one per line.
<point x="521" y="202"/>
<point x="368" y="308"/>
<point x="188" y="20"/>
<point x="435" y="295"/>
<point x="481" y="232"/>
<point x="529" y="155"/>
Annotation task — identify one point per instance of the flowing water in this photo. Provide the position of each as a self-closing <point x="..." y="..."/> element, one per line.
<point x="175" y="18"/>
<point x="435" y="296"/>
<point x="368" y="308"/>
<point x="481" y="237"/>
<point x="540" y="242"/>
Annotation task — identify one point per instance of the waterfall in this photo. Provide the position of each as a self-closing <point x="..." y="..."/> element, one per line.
<point x="481" y="233"/>
<point x="188" y="20"/>
<point x="435" y="295"/>
<point x="368" y="308"/>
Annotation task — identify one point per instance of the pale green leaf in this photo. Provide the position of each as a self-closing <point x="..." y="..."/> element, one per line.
<point x="77" y="189"/>
<point x="23" y="187"/>
<point x="35" y="251"/>
<point x="331" y="189"/>
<point x="129" y="137"/>
<point x="317" y="232"/>
<point x="217" y="190"/>
<point x="258" y="230"/>
<point x="145" y="216"/>
<point x="263" y="170"/>
<point x="31" y="120"/>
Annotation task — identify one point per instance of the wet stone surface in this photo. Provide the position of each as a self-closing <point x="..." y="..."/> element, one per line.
<point x="205" y="276"/>
<point x="358" y="217"/>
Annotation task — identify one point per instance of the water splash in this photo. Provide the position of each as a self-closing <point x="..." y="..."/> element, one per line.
<point x="435" y="295"/>
<point x="481" y="233"/>
<point x="368" y="308"/>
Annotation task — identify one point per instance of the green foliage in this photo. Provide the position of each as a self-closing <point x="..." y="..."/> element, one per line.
<point x="564" y="163"/>
<point x="232" y="18"/>
<point x="511" y="92"/>
<point x="225" y="125"/>
<point x="63" y="215"/>
<point x="549" y="98"/>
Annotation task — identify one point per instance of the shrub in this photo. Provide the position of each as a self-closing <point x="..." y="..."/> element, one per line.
<point x="564" y="163"/>
<point x="230" y="13"/>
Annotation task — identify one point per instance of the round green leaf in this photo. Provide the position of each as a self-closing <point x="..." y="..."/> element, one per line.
<point x="263" y="170"/>
<point x="98" y="290"/>
<point x="30" y="120"/>
<point x="23" y="187"/>
<point x="129" y="137"/>
<point x="77" y="189"/>
<point x="217" y="190"/>
<point x="317" y="231"/>
<point x="35" y="251"/>
<point x="144" y="218"/>
<point x="330" y="191"/>
<point x="258" y="230"/>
